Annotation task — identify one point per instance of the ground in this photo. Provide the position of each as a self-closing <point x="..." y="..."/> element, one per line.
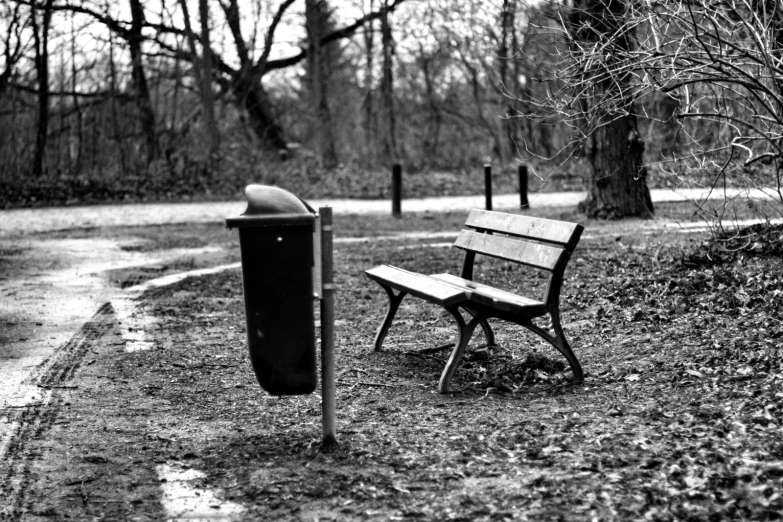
<point x="679" y="416"/>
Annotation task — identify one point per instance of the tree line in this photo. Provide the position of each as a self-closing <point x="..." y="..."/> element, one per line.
<point x="96" y="85"/>
<point x="613" y="88"/>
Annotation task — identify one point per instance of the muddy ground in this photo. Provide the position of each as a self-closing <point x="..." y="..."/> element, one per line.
<point x="679" y="416"/>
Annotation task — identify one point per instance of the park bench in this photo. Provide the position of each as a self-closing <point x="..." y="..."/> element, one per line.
<point x="542" y="244"/>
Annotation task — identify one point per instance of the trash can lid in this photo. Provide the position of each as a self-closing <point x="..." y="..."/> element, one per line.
<point x="269" y="206"/>
<point x="264" y="199"/>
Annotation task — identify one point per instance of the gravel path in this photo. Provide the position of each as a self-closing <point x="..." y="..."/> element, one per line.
<point x="20" y="221"/>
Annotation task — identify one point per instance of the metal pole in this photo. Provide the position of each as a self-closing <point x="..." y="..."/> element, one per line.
<point x="397" y="190"/>
<point x="488" y="186"/>
<point x="328" y="401"/>
<point x="522" y="173"/>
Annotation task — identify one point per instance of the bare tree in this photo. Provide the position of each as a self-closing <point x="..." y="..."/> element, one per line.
<point x="12" y="48"/>
<point x="202" y="69"/>
<point x="135" y="39"/>
<point x="246" y="81"/>
<point x="76" y="145"/>
<point x="722" y="63"/>
<point x="606" y="108"/>
<point x="207" y="95"/>
<point x="507" y="50"/>
<point x="434" y="94"/>
<point x="317" y="17"/>
<point x="490" y="63"/>
<point x="41" y="37"/>
<point x="719" y="64"/>
<point x="432" y="64"/>
<point x="387" y="85"/>
<point x="370" y="120"/>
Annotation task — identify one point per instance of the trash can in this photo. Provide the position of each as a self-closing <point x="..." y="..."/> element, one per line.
<point x="276" y="242"/>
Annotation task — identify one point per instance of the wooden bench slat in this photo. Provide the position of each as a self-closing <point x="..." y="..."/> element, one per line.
<point x="419" y="285"/>
<point x="550" y="231"/>
<point x="495" y="297"/>
<point x="536" y="255"/>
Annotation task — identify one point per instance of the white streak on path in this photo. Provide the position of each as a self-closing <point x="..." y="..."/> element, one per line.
<point x="134" y="326"/>
<point x="184" y="502"/>
<point x="181" y="500"/>
<point x="176" y="278"/>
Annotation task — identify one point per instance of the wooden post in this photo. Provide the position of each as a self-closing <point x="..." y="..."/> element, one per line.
<point x="397" y="190"/>
<point x="328" y="400"/>
<point x="488" y="186"/>
<point x="522" y="173"/>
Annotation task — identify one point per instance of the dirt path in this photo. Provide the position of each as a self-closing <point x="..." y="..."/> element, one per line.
<point x="23" y="221"/>
<point x="56" y="292"/>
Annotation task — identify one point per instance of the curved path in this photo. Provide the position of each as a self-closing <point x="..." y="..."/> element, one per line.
<point x="21" y="221"/>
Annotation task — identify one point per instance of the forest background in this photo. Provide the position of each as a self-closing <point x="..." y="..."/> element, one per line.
<point x="179" y="100"/>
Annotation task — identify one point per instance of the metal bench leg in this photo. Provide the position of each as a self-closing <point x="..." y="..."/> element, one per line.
<point x="394" y="304"/>
<point x="489" y="335"/>
<point x="465" y="333"/>
<point x="559" y="341"/>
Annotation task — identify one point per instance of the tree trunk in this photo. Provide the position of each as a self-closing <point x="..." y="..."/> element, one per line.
<point x="431" y="138"/>
<point x="617" y="184"/>
<point x="504" y="55"/>
<point x="387" y="87"/>
<point x="255" y="100"/>
<point x="262" y="120"/>
<point x="667" y="107"/>
<point x="114" y="114"/>
<point x="476" y="87"/>
<point x="316" y="17"/>
<point x="174" y="111"/>
<point x="77" y="135"/>
<point x="370" y="123"/>
<point x="524" y="130"/>
<point x="4" y="77"/>
<point x="207" y="96"/>
<point x="11" y="55"/>
<point x="41" y="38"/>
<point x="143" y="100"/>
<point x="202" y="70"/>
<point x="249" y="90"/>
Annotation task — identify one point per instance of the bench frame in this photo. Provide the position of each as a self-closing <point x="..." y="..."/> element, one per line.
<point x="539" y="243"/>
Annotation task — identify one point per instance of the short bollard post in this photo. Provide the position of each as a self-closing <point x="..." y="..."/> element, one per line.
<point x="328" y="400"/>
<point x="522" y="173"/>
<point x="397" y="190"/>
<point x="488" y="186"/>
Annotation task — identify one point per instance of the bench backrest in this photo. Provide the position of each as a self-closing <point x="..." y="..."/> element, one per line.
<point x="540" y="243"/>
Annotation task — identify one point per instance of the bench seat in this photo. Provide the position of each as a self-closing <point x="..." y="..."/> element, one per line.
<point x="448" y="290"/>
<point x="419" y="285"/>
<point x="495" y="297"/>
